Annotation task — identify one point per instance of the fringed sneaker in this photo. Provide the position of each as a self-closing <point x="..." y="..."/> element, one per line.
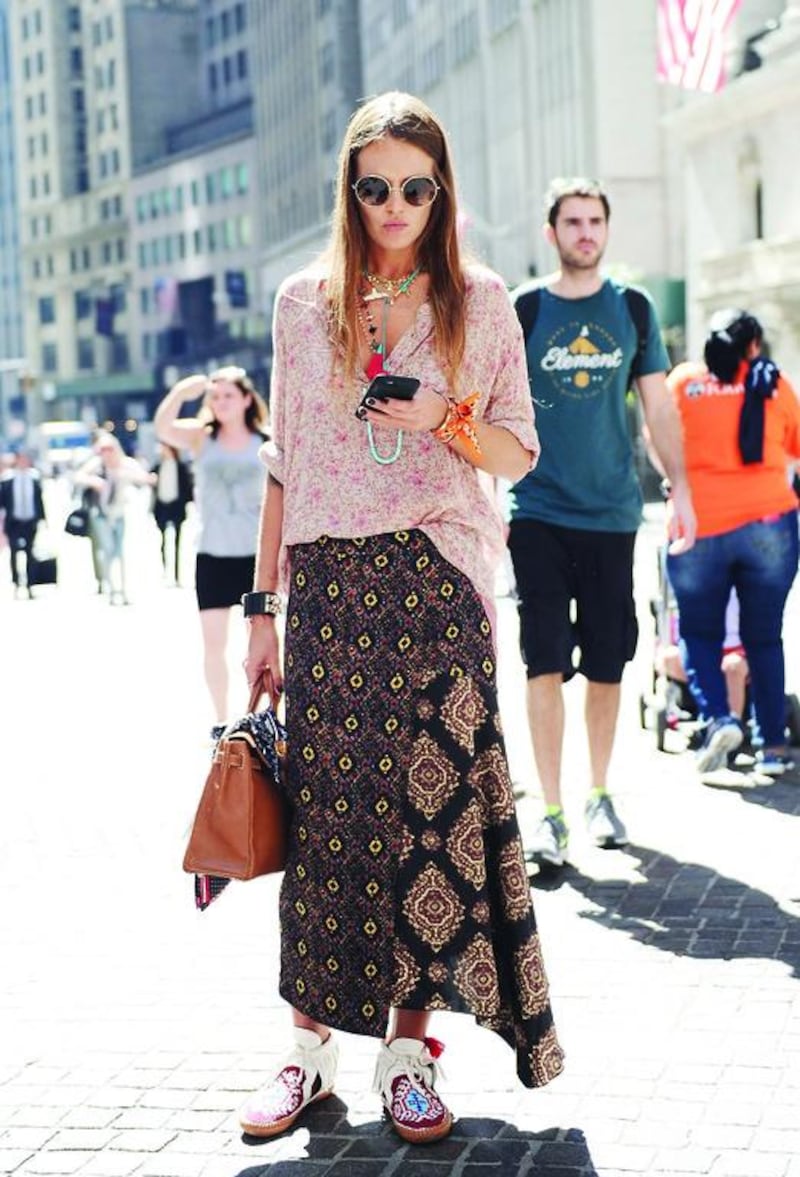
<point x="306" y="1076"/>
<point x="404" y="1077"/>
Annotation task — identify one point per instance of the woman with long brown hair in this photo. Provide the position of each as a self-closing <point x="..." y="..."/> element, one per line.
<point x="223" y="439"/>
<point x="405" y="889"/>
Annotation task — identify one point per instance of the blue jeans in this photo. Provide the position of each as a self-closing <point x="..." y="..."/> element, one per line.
<point x="759" y="560"/>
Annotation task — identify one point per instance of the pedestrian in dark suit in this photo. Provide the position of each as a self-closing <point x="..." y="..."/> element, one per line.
<point x="172" y="490"/>
<point x="21" y="512"/>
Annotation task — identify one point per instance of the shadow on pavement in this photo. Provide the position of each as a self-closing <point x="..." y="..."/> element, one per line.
<point x="372" y="1149"/>
<point x="782" y="794"/>
<point x="685" y="908"/>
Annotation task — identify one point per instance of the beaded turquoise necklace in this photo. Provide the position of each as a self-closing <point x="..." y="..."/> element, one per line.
<point x="387" y="290"/>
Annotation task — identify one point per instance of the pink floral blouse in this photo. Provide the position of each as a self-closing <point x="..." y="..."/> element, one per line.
<point x="320" y="453"/>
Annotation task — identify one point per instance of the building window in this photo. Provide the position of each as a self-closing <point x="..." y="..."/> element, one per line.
<point x="194" y="191"/>
<point x="329" y="131"/>
<point x="76" y="62"/>
<point x="432" y="65"/>
<point x="211" y="188"/>
<point x="212" y="77"/>
<point x="210" y="32"/>
<point x="227" y="70"/>
<point x="241" y="63"/>
<point x="85" y="354"/>
<point x="83" y="304"/>
<point x="47" y="309"/>
<point x="327" y="63"/>
<point x="144" y="300"/>
<point x="119" y="353"/>
<point x="465" y="37"/>
<point x="49" y="357"/>
<point x="240" y="17"/>
<point x="118" y="298"/>
<point x="241" y="178"/>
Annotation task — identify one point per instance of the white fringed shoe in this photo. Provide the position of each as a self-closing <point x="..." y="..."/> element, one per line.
<point x="306" y="1076"/>
<point x="405" y="1073"/>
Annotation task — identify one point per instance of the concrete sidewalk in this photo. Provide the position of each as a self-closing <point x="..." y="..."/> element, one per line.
<point x="131" y="1026"/>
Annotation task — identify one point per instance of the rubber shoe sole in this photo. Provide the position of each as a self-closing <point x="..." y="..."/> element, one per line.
<point x="715" y="753"/>
<point x="275" y="1129"/>
<point x="422" y="1135"/>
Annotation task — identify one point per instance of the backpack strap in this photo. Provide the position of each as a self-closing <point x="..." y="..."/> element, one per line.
<point x="527" y="304"/>
<point x="639" y="310"/>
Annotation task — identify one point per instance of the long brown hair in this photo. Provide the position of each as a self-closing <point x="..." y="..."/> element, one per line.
<point x="400" y="116"/>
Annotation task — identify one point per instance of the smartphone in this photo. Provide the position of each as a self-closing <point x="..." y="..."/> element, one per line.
<point x="386" y="386"/>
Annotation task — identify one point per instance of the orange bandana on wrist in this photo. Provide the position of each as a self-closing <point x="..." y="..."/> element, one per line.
<point x="459" y="423"/>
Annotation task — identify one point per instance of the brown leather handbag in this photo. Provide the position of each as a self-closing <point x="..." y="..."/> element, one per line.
<point x="240" y="829"/>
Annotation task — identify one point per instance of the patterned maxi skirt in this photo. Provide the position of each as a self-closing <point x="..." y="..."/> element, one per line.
<point x="405" y="884"/>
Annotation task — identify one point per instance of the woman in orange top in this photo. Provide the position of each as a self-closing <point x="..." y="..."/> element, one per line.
<point x="741" y="424"/>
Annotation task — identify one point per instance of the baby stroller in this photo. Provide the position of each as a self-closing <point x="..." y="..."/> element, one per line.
<point x="670" y="705"/>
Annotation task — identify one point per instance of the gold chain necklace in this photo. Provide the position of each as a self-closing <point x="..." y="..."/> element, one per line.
<point x="391" y="288"/>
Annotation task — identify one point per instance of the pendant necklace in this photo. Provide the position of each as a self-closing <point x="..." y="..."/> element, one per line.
<point x="375" y="365"/>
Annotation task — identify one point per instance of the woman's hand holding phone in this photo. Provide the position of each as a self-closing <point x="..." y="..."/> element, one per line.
<point x="400" y="402"/>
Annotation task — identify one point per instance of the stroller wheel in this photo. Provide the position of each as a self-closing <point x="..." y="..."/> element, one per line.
<point x="661" y="728"/>
<point x="793" y="719"/>
<point x="642" y="711"/>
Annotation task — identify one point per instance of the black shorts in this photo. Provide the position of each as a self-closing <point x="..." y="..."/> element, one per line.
<point x="221" y="580"/>
<point x="556" y="566"/>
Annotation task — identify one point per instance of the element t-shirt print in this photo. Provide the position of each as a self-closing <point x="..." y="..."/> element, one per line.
<point x="581" y="358"/>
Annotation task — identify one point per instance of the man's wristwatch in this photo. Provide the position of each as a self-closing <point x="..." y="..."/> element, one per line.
<point x="257" y="604"/>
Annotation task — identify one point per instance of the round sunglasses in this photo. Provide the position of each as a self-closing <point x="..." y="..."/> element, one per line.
<point x="418" y="191"/>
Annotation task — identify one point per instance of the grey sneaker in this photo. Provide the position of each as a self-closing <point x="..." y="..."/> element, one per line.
<point x="548" y="845"/>
<point x="605" y="827"/>
<point x="722" y="737"/>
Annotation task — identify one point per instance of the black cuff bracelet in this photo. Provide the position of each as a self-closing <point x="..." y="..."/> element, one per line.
<point x="256" y="604"/>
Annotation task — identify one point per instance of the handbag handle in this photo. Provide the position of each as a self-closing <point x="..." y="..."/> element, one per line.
<point x="258" y="689"/>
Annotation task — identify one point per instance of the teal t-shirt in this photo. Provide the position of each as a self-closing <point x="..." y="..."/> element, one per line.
<point x="579" y="358"/>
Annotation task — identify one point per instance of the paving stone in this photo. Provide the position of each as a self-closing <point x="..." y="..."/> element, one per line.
<point x="749" y="1164"/>
<point x="60" y="1163"/>
<point x="142" y="1140"/>
<point x="12" y="1159"/>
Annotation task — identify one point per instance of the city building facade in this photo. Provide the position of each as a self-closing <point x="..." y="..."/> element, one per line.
<point x="735" y="171"/>
<point x="529" y="90"/>
<point x="307" y="80"/>
<point x="96" y="84"/>
<point x="12" y="355"/>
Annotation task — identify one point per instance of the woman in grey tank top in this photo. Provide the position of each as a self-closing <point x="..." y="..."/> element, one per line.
<point x="224" y="440"/>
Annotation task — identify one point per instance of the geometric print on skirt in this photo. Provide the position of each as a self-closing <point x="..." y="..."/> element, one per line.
<point x="405" y="883"/>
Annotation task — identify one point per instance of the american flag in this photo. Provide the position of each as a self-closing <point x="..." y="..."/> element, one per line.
<point x="691" y="42"/>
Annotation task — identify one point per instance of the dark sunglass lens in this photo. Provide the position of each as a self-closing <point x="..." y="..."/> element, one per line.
<point x="419" y="190"/>
<point x="372" y="190"/>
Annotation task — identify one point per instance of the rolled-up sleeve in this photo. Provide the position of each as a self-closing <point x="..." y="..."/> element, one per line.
<point x="509" y="404"/>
